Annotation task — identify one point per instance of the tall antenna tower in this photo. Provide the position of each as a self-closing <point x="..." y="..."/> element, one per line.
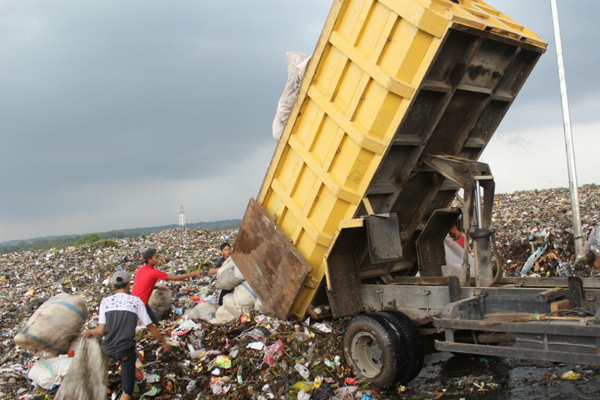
<point x="181" y="216"/>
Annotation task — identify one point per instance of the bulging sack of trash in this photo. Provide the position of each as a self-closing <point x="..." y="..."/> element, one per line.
<point x="87" y="378"/>
<point x="224" y="315"/>
<point x="244" y="296"/>
<point x="160" y="301"/>
<point x="259" y="306"/>
<point x="229" y="276"/>
<point x="53" y="326"/>
<point x="296" y="68"/>
<point x="231" y="305"/>
<point x="46" y="372"/>
<point x="203" y="311"/>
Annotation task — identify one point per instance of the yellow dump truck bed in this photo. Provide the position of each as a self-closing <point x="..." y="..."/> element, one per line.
<point x="389" y="81"/>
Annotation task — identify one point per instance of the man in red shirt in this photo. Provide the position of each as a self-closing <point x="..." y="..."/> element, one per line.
<point x="456" y="233"/>
<point x="146" y="277"/>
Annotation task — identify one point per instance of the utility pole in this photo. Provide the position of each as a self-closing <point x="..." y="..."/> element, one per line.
<point x="181" y="216"/>
<point x="577" y="232"/>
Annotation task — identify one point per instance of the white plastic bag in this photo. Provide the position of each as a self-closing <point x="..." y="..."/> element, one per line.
<point x="454" y="259"/>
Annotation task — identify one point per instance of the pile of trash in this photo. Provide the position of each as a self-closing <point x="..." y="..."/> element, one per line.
<point x="237" y="351"/>
<point x="251" y="356"/>
<point x="534" y="231"/>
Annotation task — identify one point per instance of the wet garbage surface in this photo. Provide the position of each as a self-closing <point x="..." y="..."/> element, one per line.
<point x="260" y="357"/>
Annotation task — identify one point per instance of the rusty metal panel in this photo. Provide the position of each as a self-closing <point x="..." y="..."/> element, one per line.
<point x="269" y="262"/>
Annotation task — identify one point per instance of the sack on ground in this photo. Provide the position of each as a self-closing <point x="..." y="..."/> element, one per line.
<point x="87" y="378"/>
<point x="244" y="296"/>
<point x="46" y="372"/>
<point x="224" y="315"/>
<point x="53" y="326"/>
<point x="259" y="306"/>
<point x="203" y="311"/>
<point x="160" y="301"/>
<point x="231" y="305"/>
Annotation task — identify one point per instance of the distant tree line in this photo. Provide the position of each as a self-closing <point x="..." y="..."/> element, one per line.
<point x="103" y="239"/>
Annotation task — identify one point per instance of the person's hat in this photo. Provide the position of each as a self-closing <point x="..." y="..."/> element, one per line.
<point x="121" y="277"/>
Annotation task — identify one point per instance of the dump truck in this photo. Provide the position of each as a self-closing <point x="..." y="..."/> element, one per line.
<point x="397" y="104"/>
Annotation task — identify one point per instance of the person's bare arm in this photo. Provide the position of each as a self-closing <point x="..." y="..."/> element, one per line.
<point x="97" y="331"/>
<point x="156" y="334"/>
<point x="183" y="276"/>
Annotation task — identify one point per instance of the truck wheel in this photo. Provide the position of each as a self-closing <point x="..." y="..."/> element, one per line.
<point x="373" y="350"/>
<point x="411" y="341"/>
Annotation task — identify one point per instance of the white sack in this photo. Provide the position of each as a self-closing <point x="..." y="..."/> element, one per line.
<point x="203" y="311"/>
<point x="296" y="68"/>
<point x="46" y="372"/>
<point x="231" y="305"/>
<point x="228" y="276"/>
<point x="244" y="296"/>
<point x="259" y="306"/>
<point x="224" y="315"/>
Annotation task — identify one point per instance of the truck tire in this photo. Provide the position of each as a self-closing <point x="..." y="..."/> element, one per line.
<point x="411" y="342"/>
<point x="372" y="348"/>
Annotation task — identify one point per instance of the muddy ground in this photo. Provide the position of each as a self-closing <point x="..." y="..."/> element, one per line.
<point x="448" y="376"/>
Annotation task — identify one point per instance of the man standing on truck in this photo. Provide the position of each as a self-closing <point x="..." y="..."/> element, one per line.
<point x="117" y="321"/>
<point x="146" y="277"/>
<point x="456" y="233"/>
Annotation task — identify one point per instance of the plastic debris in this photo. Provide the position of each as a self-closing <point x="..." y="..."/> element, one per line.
<point x="273" y="352"/>
<point x="223" y="362"/>
<point x="302" y="370"/>
<point x="571" y="376"/>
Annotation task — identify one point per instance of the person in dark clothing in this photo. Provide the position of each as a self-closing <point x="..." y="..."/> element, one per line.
<point x="226" y="253"/>
<point x="118" y="318"/>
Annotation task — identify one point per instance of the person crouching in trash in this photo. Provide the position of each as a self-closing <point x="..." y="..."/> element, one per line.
<point x="117" y="321"/>
<point x="146" y="277"/>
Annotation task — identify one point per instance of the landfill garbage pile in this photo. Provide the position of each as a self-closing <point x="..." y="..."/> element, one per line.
<point x="534" y="231"/>
<point x="254" y="356"/>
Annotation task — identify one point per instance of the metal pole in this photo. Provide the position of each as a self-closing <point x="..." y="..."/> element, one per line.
<point x="577" y="233"/>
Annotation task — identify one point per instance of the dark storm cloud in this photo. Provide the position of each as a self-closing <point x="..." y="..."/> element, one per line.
<point x="109" y="91"/>
<point x="98" y="96"/>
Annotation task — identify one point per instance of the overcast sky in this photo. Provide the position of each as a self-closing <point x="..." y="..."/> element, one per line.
<point x="112" y="113"/>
